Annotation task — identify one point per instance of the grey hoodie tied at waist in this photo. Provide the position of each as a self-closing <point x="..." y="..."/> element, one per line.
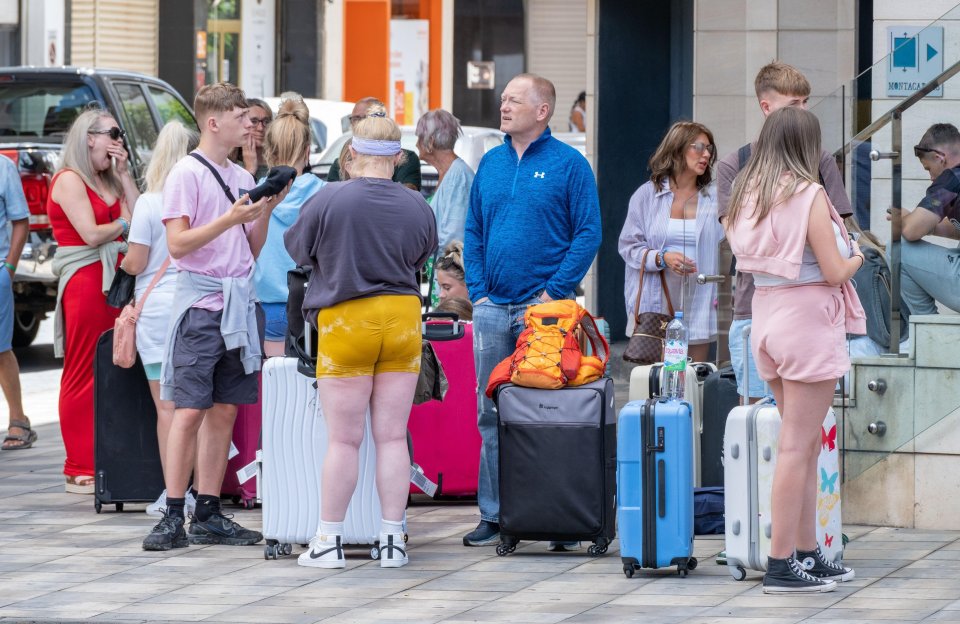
<point x="66" y="262"/>
<point x="238" y="325"/>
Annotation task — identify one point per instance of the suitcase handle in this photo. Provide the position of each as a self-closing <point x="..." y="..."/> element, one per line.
<point x="441" y="331"/>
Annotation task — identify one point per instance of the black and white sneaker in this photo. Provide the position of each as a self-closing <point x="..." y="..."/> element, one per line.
<point x="393" y="550"/>
<point x="326" y="551"/>
<point x="816" y="564"/>
<point x="221" y="529"/>
<point x="167" y="534"/>
<point x="785" y="576"/>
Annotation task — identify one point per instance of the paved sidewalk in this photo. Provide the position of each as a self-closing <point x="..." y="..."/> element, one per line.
<point x="59" y="561"/>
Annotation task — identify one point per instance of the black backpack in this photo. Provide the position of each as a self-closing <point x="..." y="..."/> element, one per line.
<point x="872" y="282"/>
<point x="299" y="331"/>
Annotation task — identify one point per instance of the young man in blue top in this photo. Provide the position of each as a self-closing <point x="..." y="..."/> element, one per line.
<point x="532" y="230"/>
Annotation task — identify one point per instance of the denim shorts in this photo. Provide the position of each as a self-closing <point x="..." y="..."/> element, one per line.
<point x="6" y="311"/>
<point x="735" y="342"/>
<point x="276" y="328"/>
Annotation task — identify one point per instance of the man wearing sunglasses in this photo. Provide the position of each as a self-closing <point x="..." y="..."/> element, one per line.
<point x="929" y="272"/>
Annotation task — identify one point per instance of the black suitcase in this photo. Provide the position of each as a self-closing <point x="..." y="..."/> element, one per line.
<point x="558" y="465"/>
<point x="719" y="397"/>
<point x="126" y="455"/>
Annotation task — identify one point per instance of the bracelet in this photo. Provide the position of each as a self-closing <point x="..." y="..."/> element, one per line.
<point x="658" y="259"/>
<point x="12" y="267"/>
<point x="862" y="260"/>
<point x="124" y="224"/>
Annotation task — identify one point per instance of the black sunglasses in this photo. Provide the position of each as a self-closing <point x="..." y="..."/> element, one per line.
<point x="919" y="151"/>
<point x="114" y="133"/>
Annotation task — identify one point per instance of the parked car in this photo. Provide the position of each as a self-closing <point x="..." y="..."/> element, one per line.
<point x="37" y="107"/>
<point x="328" y="120"/>
<point x="475" y="142"/>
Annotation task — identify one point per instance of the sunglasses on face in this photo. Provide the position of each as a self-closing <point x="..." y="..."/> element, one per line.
<point x="920" y="152"/>
<point x="114" y="133"/>
<point x="700" y="148"/>
<point x="260" y="121"/>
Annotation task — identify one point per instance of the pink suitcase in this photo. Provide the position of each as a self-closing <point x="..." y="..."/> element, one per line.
<point x="446" y="442"/>
<point x="246" y="439"/>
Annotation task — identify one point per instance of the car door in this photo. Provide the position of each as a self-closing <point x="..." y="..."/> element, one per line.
<point x="139" y="122"/>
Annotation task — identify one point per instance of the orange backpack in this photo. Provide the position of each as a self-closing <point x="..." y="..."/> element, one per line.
<point x="548" y="353"/>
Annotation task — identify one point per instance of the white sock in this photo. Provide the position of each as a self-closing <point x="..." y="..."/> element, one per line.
<point x="331" y="528"/>
<point x="388" y="526"/>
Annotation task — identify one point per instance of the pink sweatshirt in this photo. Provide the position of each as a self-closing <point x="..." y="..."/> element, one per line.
<point x="775" y="245"/>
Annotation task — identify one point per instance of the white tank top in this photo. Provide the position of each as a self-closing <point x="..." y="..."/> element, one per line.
<point x="682" y="237"/>
<point x="809" y="268"/>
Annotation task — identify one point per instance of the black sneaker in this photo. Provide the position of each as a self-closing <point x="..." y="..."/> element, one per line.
<point x="816" y="565"/>
<point x="486" y="534"/>
<point x="788" y="576"/>
<point x="220" y="529"/>
<point x="167" y="534"/>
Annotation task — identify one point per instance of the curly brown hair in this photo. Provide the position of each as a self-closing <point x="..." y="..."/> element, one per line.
<point x="670" y="160"/>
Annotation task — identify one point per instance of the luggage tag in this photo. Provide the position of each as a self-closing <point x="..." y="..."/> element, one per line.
<point x="420" y="480"/>
<point x="248" y="472"/>
<point x="234" y="451"/>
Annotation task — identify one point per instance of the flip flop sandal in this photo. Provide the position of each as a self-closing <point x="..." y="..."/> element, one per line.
<point x="28" y="437"/>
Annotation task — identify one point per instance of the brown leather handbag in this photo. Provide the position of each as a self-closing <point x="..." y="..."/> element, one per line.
<point x="650" y="329"/>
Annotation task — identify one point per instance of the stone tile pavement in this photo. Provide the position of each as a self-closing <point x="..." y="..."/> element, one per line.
<point x="61" y="562"/>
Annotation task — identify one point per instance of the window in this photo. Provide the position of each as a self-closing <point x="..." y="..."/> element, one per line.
<point x="43" y="112"/>
<point x="141" y="130"/>
<point x="170" y="108"/>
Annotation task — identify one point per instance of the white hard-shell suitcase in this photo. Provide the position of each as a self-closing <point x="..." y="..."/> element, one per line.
<point x="640" y="386"/>
<point x="750" y="456"/>
<point x="294" y="444"/>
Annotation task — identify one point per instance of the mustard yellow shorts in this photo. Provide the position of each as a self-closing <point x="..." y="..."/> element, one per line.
<point x="368" y="336"/>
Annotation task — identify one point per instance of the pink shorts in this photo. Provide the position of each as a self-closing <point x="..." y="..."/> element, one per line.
<point x="798" y="333"/>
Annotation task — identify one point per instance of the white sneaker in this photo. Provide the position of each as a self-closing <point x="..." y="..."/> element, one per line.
<point x="326" y="551"/>
<point x="393" y="550"/>
<point x="157" y="508"/>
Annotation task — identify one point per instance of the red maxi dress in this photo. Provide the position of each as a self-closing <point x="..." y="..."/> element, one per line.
<point x="86" y="316"/>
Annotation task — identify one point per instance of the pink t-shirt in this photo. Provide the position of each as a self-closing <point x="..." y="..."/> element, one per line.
<point x="191" y="191"/>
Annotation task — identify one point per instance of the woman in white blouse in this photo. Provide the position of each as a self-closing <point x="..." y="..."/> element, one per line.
<point x="672" y="219"/>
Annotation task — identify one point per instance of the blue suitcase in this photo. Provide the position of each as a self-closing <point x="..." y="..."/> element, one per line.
<point x="655" y="485"/>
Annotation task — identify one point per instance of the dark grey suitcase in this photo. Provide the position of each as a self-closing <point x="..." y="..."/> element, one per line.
<point x="558" y="464"/>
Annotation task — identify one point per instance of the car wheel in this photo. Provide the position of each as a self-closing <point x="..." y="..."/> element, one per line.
<point x="26" y="324"/>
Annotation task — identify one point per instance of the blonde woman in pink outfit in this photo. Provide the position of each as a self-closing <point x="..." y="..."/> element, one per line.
<point x="784" y="230"/>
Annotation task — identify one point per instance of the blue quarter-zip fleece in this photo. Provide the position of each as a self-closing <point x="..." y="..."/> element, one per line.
<point x="533" y="222"/>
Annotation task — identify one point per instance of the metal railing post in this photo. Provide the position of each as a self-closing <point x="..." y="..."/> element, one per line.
<point x="896" y="180"/>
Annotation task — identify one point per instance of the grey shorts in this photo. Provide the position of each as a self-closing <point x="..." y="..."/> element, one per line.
<point x="204" y="371"/>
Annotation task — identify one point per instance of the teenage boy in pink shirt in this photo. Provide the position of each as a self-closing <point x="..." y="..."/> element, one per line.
<point x="213" y="346"/>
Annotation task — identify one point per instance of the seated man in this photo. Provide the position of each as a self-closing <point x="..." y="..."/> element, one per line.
<point x="930" y="272"/>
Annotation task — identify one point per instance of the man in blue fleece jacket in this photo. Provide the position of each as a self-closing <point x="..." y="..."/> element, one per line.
<point x="532" y="230"/>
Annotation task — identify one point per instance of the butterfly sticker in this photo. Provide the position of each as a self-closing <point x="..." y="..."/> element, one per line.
<point x="828" y="440"/>
<point x="828" y="482"/>
<point x="827" y="540"/>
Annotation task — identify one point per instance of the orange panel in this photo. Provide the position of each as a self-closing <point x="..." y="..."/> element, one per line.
<point x="366" y="49"/>
<point x="433" y="10"/>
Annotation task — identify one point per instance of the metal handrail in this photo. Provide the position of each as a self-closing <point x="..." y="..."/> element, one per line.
<point x="897" y="110"/>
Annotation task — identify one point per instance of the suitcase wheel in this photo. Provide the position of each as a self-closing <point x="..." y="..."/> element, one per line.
<point x="685" y="567"/>
<point x="97" y="506"/>
<point x="598" y="549"/>
<point x="628" y="570"/>
<point x="375" y="552"/>
<point x="738" y="573"/>
<point x="504" y="549"/>
<point x="119" y="506"/>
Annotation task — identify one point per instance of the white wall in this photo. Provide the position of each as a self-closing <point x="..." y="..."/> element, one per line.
<point x="332" y="88"/>
<point x="43" y="32"/>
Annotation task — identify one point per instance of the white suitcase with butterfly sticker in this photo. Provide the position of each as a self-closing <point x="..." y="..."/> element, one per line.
<point x="750" y="456"/>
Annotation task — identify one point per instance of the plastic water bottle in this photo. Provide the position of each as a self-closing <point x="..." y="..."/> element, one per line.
<point x="675" y="358"/>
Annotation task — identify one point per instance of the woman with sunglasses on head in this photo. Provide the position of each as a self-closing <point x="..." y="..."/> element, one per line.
<point x="250" y="156"/>
<point x="89" y="211"/>
<point x="672" y="230"/>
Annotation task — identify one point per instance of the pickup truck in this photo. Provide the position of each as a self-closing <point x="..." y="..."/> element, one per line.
<point x="37" y="106"/>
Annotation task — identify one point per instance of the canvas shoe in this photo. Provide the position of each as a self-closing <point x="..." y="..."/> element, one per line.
<point x="393" y="550"/>
<point x="817" y="565"/>
<point x="157" y="508"/>
<point x="486" y="534"/>
<point x="788" y="576"/>
<point x="167" y="534"/>
<point x="326" y="551"/>
<point x="563" y="546"/>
